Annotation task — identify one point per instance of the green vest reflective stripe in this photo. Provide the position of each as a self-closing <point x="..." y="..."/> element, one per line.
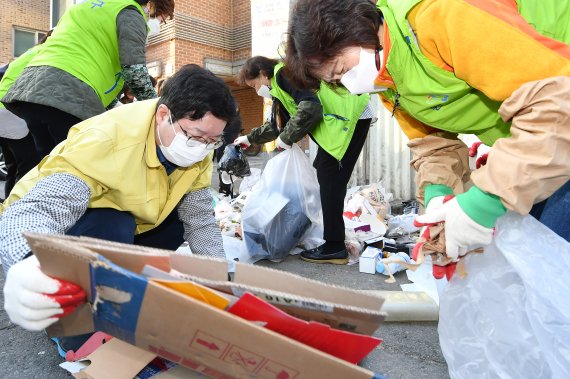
<point x="437" y="97"/>
<point x="15" y="69"/>
<point x="341" y="111"/>
<point x="431" y="94"/>
<point x="91" y="25"/>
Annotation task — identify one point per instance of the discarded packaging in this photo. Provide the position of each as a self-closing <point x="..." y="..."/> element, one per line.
<point x="170" y="324"/>
<point x="369" y="259"/>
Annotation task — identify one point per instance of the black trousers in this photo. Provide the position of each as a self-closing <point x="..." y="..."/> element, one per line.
<point x="48" y="125"/>
<point x="333" y="178"/>
<point x="20" y="156"/>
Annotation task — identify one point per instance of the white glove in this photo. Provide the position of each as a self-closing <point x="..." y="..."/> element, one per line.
<point x="435" y="203"/>
<point x="282" y="145"/>
<point x="242" y="141"/>
<point x="33" y="300"/>
<point x="461" y="232"/>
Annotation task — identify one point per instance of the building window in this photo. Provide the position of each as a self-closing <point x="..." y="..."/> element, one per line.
<point x="25" y="39"/>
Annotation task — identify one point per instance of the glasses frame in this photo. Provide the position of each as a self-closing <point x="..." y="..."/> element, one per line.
<point x="191" y="139"/>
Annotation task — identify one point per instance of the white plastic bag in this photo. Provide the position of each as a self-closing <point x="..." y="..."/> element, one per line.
<point x="285" y="208"/>
<point x="510" y="317"/>
<point x="250" y="181"/>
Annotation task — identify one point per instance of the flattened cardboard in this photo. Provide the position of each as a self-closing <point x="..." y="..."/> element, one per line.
<point x="115" y="359"/>
<point x="184" y="330"/>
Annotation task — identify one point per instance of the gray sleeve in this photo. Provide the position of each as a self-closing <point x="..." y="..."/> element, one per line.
<point x="131" y="35"/>
<point x="52" y="206"/>
<point x="200" y="228"/>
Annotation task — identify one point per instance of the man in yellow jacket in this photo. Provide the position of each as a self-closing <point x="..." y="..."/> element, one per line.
<point x="136" y="174"/>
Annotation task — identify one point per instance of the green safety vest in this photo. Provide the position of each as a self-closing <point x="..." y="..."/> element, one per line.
<point x="15" y="69"/>
<point x="85" y="45"/>
<point x="437" y="97"/>
<point x="341" y="112"/>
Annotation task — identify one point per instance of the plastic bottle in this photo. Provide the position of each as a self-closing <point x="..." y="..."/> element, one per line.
<point x="393" y="267"/>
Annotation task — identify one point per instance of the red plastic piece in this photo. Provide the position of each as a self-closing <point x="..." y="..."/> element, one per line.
<point x="92" y="344"/>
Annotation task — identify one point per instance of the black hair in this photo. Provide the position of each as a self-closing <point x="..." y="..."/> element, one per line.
<point x="163" y="9"/>
<point x="193" y="91"/>
<point x="255" y="66"/>
<point x="319" y="31"/>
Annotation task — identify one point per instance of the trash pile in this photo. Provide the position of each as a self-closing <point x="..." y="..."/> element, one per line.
<point x="375" y="237"/>
<point x="277" y="213"/>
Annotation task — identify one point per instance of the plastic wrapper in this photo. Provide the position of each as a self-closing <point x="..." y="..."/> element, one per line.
<point x="510" y="316"/>
<point x="402" y="225"/>
<point x="372" y="199"/>
<point x="285" y="208"/>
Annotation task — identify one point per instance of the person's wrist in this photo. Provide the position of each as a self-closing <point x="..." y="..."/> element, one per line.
<point x="435" y="190"/>
<point x="482" y="207"/>
<point x="285" y="140"/>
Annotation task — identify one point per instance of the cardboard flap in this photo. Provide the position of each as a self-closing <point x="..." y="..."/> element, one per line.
<point x="297" y="298"/>
<point x="131" y="257"/>
<point x="115" y="359"/>
<point x="285" y="282"/>
<point x="207" y="268"/>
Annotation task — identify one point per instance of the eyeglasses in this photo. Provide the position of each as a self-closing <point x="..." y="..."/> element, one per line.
<point x="195" y="141"/>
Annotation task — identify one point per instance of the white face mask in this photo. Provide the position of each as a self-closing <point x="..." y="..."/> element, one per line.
<point x="263" y="91"/>
<point x="179" y="152"/>
<point x="153" y="26"/>
<point x="360" y="78"/>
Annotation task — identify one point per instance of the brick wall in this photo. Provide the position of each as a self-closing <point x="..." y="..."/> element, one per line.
<point x="27" y="14"/>
<point x="192" y="52"/>
<point x="215" y="11"/>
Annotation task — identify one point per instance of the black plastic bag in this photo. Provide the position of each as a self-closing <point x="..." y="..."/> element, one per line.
<point x="234" y="161"/>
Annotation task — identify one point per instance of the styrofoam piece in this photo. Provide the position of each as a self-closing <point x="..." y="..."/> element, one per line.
<point x="407" y="306"/>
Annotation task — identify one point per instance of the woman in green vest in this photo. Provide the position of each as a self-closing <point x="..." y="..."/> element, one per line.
<point x="95" y="49"/>
<point x="337" y="122"/>
<point x="496" y="69"/>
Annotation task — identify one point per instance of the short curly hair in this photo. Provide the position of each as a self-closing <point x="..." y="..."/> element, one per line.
<point x="319" y="31"/>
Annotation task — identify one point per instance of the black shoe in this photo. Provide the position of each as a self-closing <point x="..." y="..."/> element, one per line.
<point x="323" y="255"/>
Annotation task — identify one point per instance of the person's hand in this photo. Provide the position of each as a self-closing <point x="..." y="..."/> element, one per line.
<point x="438" y="271"/>
<point x="33" y="300"/>
<point x="242" y="141"/>
<point x="469" y="220"/>
<point x="281" y="145"/>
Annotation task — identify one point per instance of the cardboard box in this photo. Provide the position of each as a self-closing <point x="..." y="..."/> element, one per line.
<point x="369" y="259"/>
<point x="194" y="334"/>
